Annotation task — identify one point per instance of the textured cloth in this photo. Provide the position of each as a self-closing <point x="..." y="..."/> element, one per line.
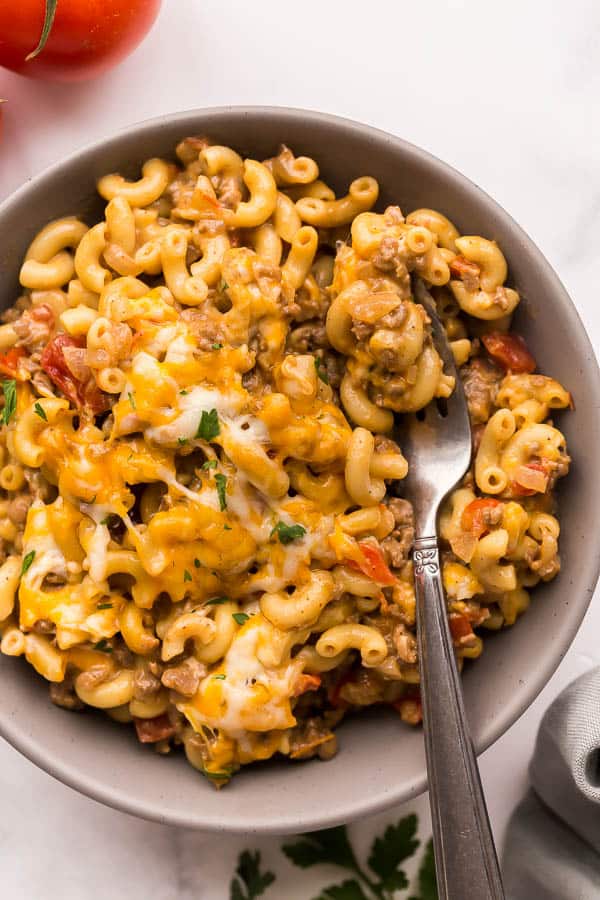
<point x="552" y="849"/>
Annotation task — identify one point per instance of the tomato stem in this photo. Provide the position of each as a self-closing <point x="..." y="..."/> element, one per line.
<point x="46" y="29"/>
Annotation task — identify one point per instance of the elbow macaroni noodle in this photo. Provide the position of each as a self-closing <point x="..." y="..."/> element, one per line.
<point x="196" y="526"/>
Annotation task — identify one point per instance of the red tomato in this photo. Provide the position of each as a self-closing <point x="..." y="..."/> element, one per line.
<point x="373" y="565"/>
<point x="460" y="627"/>
<point x="460" y="266"/>
<point x="82" y="394"/>
<point x="473" y="515"/>
<point x="86" y="38"/>
<point x="510" y="351"/>
<point x="10" y="360"/>
<point x="519" y="490"/>
<point x="307" y="683"/>
<point x="149" y="731"/>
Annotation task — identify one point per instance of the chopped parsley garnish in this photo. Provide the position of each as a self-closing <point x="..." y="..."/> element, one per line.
<point x="39" y="410"/>
<point x="240" y="618"/>
<point x="106" y="519"/>
<point x="103" y="646"/>
<point x="288" y="533"/>
<point x="219" y="677"/>
<point x="217" y="346"/>
<point x="104" y="606"/>
<point x="221" y="482"/>
<point x="9" y="387"/>
<point x="226" y="527"/>
<point x="223" y="286"/>
<point x="184" y="392"/>
<point x="27" y="560"/>
<point x="131" y="400"/>
<point x="209" y="426"/>
<point x="197" y="563"/>
<point x="186" y="575"/>
<point x="182" y="440"/>
<point x="321" y="373"/>
<point x="210" y="464"/>
<point x="217" y="601"/>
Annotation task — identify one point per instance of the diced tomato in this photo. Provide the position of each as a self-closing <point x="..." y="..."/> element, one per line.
<point x="82" y="394"/>
<point x="460" y="266"/>
<point x="473" y="515"/>
<point x="9" y="361"/>
<point x="460" y="627"/>
<point x="519" y="490"/>
<point x="307" y="683"/>
<point x="149" y="731"/>
<point x="372" y="564"/>
<point x="510" y="351"/>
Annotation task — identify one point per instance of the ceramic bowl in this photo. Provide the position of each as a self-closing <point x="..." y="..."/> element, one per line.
<point x="380" y="761"/>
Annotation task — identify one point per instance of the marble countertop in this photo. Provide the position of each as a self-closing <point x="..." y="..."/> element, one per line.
<point x="508" y="95"/>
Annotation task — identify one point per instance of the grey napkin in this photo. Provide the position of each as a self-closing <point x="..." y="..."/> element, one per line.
<point x="552" y="849"/>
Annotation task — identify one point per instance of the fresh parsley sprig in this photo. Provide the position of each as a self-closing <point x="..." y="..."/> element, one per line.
<point x="208" y="427"/>
<point x="251" y="882"/>
<point x="288" y="533"/>
<point x="9" y="389"/>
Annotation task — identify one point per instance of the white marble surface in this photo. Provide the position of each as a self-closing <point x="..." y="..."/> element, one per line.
<point x="507" y="94"/>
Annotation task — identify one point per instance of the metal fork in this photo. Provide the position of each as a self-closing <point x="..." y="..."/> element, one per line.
<point x="438" y="448"/>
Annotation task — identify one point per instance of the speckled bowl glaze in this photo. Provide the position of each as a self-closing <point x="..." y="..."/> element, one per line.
<point x="380" y="762"/>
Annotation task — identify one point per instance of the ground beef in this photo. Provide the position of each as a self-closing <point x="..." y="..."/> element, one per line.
<point x="206" y="331"/>
<point x="312" y="738"/>
<point x="185" y="677"/>
<point x="43" y="626"/>
<point x="18" y="508"/>
<point x="397" y="546"/>
<point x="405" y="644"/>
<point x="308" y="337"/>
<point x="365" y="688"/>
<point x="481" y="379"/>
<point x="33" y="328"/>
<point x="145" y="684"/>
<point x="229" y="191"/>
<point x="63" y="694"/>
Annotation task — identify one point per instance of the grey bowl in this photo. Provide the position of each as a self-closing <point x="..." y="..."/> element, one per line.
<point x="381" y="762"/>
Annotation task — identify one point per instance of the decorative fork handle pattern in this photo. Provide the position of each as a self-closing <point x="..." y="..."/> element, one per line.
<point x="466" y="862"/>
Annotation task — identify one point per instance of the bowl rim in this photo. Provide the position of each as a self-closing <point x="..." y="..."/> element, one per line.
<point x="348" y="808"/>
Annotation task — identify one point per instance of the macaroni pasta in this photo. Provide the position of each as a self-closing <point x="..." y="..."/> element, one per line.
<point x="196" y="451"/>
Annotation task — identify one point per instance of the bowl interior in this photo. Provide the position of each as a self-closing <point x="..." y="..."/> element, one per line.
<point x="380" y="761"/>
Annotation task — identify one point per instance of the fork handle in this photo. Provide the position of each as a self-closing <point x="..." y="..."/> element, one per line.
<point x="466" y="862"/>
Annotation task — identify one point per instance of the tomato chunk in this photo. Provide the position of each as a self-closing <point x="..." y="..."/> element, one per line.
<point x="475" y="516"/>
<point x="461" y="266"/>
<point x="372" y="564"/>
<point x="520" y="490"/>
<point x="307" y="683"/>
<point x="9" y="361"/>
<point x="81" y="393"/>
<point x="460" y="627"/>
<point x="149" y="731"/>
<point x="510" y="351"/>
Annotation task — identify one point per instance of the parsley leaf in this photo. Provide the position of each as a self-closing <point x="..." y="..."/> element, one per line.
<point x="397" y="843"/>
<point x="223" y="286"/>
<point x="226" y="527"/>
<point x="184" y="392"/>
<point x="288" y="533"/>
<point x="131" y="399"/>
<point x="348" y="890"/>
<point x="210" y="464"/>
<point x="9" y="387"/>
<point x="251" y="882"/>
<point x="217" y="601"/>
<point x="39" y="410"/>
<point x="219" y="677"/>
<point x="186" y="575"/>
<point x="27" y="560"/>
<point x="209" y="426"/>
<point x="240" y="618"/>
<point x="321" y="373"/>
<point x="182" y="440"/>
<point x="217" y="346"/>
<point x="329" y="846"/>
<point x="221" y="482"/>
<point x="104" y="606"/>
<point x="426" y="876"/>
<point x="197" y="563"/>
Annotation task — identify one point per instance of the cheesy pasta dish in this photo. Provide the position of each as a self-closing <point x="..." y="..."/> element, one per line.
<point x="202" y="528"/>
